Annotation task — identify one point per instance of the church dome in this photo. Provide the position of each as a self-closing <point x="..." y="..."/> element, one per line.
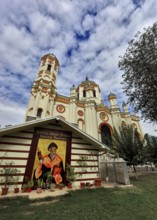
<point x="88" y="90"/>
<point x="111" y="96"/>
<point x="88" y="82"/>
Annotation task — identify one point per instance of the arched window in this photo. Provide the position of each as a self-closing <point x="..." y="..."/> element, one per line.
<point x="84" y="93"/>
<point x="49" y="67"/>
<point x="39" y="112"/>
<point x="30" y="109"/>
<point x="80" y="123"/>
<point x="106" y="135"/>
<point x="94" y="93"/>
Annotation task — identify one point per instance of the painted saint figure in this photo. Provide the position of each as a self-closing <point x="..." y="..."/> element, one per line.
<point x="50" y="163"/>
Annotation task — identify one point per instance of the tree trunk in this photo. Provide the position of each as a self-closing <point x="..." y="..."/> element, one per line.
<point x="136" y="176"/>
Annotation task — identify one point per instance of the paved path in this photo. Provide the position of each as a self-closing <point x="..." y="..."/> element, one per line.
<point x="57" y="192"/>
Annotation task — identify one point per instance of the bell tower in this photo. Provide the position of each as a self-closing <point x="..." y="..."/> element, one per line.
<point x="115" y="111"/>
<point x="43" y="90"/>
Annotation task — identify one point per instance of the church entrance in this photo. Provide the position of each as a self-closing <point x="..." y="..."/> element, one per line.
<point x="106" y="135"/>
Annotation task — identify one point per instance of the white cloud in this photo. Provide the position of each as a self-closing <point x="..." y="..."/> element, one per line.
<point x="11" y="113"/>
<point x="149" y="128"/>
<point x="88" y="22"/>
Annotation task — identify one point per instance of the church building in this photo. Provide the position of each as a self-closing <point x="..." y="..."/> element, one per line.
<point x="84" y="107"/>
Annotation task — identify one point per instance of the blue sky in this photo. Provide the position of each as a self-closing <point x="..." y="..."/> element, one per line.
<point x="87" y="37"/>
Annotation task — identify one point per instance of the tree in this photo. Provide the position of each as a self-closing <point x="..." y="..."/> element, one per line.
<point x="128" y="145"/>
<point x="139" y="64"/>
<point x="151" y="148"/>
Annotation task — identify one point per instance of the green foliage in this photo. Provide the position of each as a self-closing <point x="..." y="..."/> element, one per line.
<point x="16" y="179"/>
<point x="9" y="171"/>
<point x="29" y="183"/>
<point x="61" y="185"/>
<point x="70" y="173"/>
<point x="151" y="148"/>
<point x="49" y="177"/>
<point x="52" y="186"/>
<point x="40" y="183"/>
<point x="82" y="162"/>
<point x="129" y="146"/>
<point x="139" y="64"/>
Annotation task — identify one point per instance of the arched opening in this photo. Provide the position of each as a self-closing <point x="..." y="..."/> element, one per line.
<point x="39" y="112"/>
<point x="106" y="135"/>
<point x="94" y="93"/>
<point x="30" y="109"/>
<point x="84" y="93"/>
<point x="80" y="123"/>
<point x="49" y="67"/>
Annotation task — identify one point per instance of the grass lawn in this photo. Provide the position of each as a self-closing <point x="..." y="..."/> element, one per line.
<point x="139" y="202"/>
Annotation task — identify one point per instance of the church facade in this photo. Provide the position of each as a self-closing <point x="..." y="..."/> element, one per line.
<point x="83" y="108"/>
